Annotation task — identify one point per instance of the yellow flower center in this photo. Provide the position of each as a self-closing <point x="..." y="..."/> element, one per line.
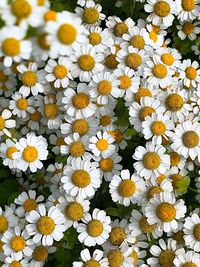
<point x="120" y="28"/>
<point x="126" y="188"/>
<point x="45" y="225"/>
<point x="11" y="47"/>
<point x="67" y="34"/>
<point x="60" y="71"/>
<point x="133" y="60"/>
<point x="145" y="226"/>
<point x="3" y="77"/>
<point x="162" y="8"/>
<point x="174" y="102"/>
<point x="189" y="264"/>
<point x="125" y="82"/>
<point x="197" y="232"/>
<point x="144" y="112"/>
<point x="190" y="139"/>
<point x="176" y="178"/>
<point x="151" y="192"/>
<point x="141" y="93"/>
<point x="158" y="128"/>
<point x="105" y="120"/>
<point x="80" y="101"/>
<point x="137" y="41"/>
<point x="29" y="78"/>
<point x="117" y="236"/>
<point x="35" y="116"/>
<point x="81" y="178"/>
<point x="77" y="149"/>
<point x="95" y="228"/>
<point x="167" y="59"/>
<point x="50" y="15"/>
<point x="174" y="158"/>
<point x="60" y="141"/>
<point x="40" y="253"/>
<point x="15" y="264"/>
<point x="134" y="255"/>
<point x="74" y="211"/>
<point x="30" y="154"/>
<point x="17" y="243"/>
<point x="80" y="126"/>
<point x="22" y="103"/>
<point x="91" y="263"/>
<point x="3" y="224"/>
<point x="111" y="62"/>
<point x="188" y="5"/>
<point x="159" y="71"/>
<point x="165" y="212"/>
<point x="94" y="38"/>
<point x="179" y="237"/>
<point x="153" y="36"/>
<point x="90" y="15"/>
<point x="21" y="9"/>
<point x="2" y="123"/>
<point x="86" y="62"/>
<point x="115" y="258"/>
<point x="51" y="111"/>
<point x="151" y="160"/>
<point x="188" y="28"/>
<point x="104" y="87"/>
<point x="160" y="178"/>
<point x="10" y="151"/>
<point x="40" y="2"/>
<point x="42" y="41"/>
<point x="191" y="73"/>
<point x="117" y="134"/>
<point x="106" y="164"/>
<point x="166" y="258"/>
<point x="30" y="204"/>
<point x="102" y="144"/>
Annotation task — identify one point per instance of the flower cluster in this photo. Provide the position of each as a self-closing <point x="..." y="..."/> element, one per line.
<point x="99" y="123"/>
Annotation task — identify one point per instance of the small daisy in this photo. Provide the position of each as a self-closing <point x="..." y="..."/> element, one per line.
<point x="188" y="29"/>
<point x="192" y="232"/>
<point x="95" y="228"/>
<point x="8" y="81"/>
<point x="177" y="162"/>
<point x="31" y="79"/>
<point x="9" y="261"/>
<point x="31" y="151"/>
<point x="7" y="220"/>
<point x="6" y="123"/>
<point x="81" y="178"/>
<point x="6" y="152"/>
<point x="78" y="104"/>
<point x="188" y="258"/>
<point x="127" y="188"/>
<point x="151" y="161"/>
<point x="58" y="72"/>
<point x="186" y="139"/>
<point x="98" y="38"/>
<point x="102" y="144"/>
<point x="119" y="27"/>
<point x="190" y="73"/>
<point x="57" y="141"/>
<point x="120" y="256"/>
<point x="13" y="46"/>
<point x="154" y="187"/>
<point x="164" y="210"/>
<point x="95" y="259"/>
<point x="46" y="225"/>
<point x="187" y="10"/>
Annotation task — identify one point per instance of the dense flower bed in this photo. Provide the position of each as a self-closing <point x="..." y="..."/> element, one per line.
<point x="99" y="133"/>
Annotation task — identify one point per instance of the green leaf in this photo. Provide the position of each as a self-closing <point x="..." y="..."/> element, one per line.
<point x="71" y="237"/>
<point x="7" y="188"/>
<point x="130" y="132"/>
<point x="183" y="185"/>
<point x="4" y="173"/>
<point x="113" y="212"/>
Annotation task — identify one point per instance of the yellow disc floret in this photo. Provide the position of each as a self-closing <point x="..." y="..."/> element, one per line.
<point x="145" y="226"/>
<point x="159" y="71"/>
<point x="22" y="103"/>
<point x="81" y="178"/>
<point x="3" y="224"/>
<point x="137" y="41"/>
<point x="77" y="149"/>
<point x="162" y="8"/>
<point x="17" y="243"/>
<point x="60" y="71"/>
<point x="74" y="211"/>
<point x="133" y="60"/>
<point x="102" y="144"/>
<point x="95" y="228"/>
<point x="115" y="258"/>
<point x="11" y="47"/>
<point x="190" y="139"/>
<point x="167" y="59"/>
<point x="188" y="5"/>
<point x="158" y="128"/>
<point x="142" y="91"/>
<point x="94" y="38"/>
<point x="174" y="102"/>
<point x="67" y="34"/>
<point x="30" y="204"/>
<point x="188" y="28"/>
<point x="111" y="62"/>
<point x="196" y="232"/>
<point x="174" y="158"/>
<point x="10" y="151"/>
<point x="40" y="253"/>
<point x="189" y="264"/>
<point x="126" y="188"/>
<point x="30" y="154"/>
<point x="125" y="82"/>
<point x="86" y="62"/>
<point x="144" y="112"/>
<point x="2" y="123"/>
<point x="29" y="78"/>
<point x="80" y="126"/>
<point x="120" y="28"/>
<point x="191" y="73"/>
<point x="80" y="101"/>
<point x="91" y="263"/>
<point x="90" y="15"/>
<point x="151" y="160"/>
<point x="152" y="191"/>
<point x="106" y="164"/>
<point x="45" y="225"/>
<point x="15" y="264"/>
<point x="166" y="212"/>
<point x="21" y="9"/>
<point x="117" y="236"/>
<point x="166" y="258"/>
<point x="51" y="111"/>
<point x="104" y="87"/>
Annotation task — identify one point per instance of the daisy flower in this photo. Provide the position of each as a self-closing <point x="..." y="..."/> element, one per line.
<point x="188" y="258"/>
<point x="192" y="232"/>
<point x="165" y="253"/>
<point x="16" y="243"/>
<point x="177" y="162"/>
<point x="11" y="260"/>
<point x="31" y="79"/>
<point x="90" y="14"/>
<point x="186" y="139"/>
<point x="6" y="123"/>
<point x="190" y="73"/>
<point x="154" y="187"/>
<point x="187" y="10"/>
<point x="138" y="255"/>
<point x="98" y="38"/>
<point x="102" y="144"/>
<point x="104" y="86"/>
<point x="89" y="259"/>
<point x="119" y="27"/>
<point x="6" y="152"/>
<point x="63" y="33"/>
<point x="74" y="209"/>
<point x="170" y="57"/>
<point x="95" y="228"/>
<point x="164" y="210"/>
<point x="13" y="47"/>
<point x="81" y="178"/>
<point x="158" y="127"/>
<point x="87" y="62"/>
<point x="45" y="225"/>
<point x="120" y="256"/>
<point x="7" y="220"/>
<point x="188" y="29"/>
<point x="127" y="188"/>
<point x="78" y="104"/>
<point x="7" y="81"/>
<point x="27" y="202"/>
<point x="57" y="141"/>
<point x="30" y="152"/>
<point x="58" y="72"/>
<point x="151" y="160"/>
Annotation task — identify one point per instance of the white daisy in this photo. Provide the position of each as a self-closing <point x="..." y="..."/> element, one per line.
<point x="119" y="27"/>
<point x="192" y="232"/>
<point x="6" y="152"/>
<point x="7" y="219"/>
<point x="190" y="73"/>
<point x="120" y="256"/>
<point x="188" y="258"/>
<point x="6" y="123"/>
<point x="188" y="29"/>
<point x="187" y="10"/>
